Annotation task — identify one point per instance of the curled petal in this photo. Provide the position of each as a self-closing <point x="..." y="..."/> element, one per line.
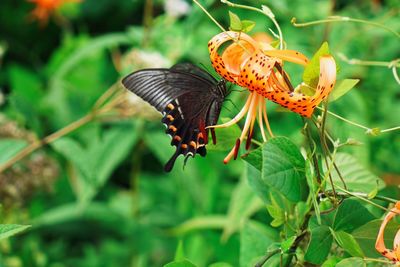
<point x="227" y="67"/>
<point x="380" y="244"/>
<point x="288" y="55"/>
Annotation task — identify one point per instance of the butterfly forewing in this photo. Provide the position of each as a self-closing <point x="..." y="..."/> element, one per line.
<point x="190" y="100"/>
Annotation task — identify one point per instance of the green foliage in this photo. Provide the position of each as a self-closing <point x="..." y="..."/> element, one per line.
<point x="240" y="25"/>
<point x="283" y="168"/>
<point x="320" y="245"/>
<point x="7" y="230"/>
<point x="311" y="72"/>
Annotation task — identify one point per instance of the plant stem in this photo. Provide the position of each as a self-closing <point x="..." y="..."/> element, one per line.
<point x="360" y="194"/>
<point x="344" y="19"/>
<point x="48" y="139"/>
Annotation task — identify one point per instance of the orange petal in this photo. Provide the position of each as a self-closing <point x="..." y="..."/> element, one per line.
<point x="380" y="244"/>
<point x="229" y="72"/>
<point x="288" y="55"/>
<point x="256" y="72"/>
<point x="234" y="56"/>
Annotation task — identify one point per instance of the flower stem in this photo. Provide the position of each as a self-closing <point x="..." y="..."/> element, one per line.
<point x="209" y="15"/>
<point x="344" y="19"/>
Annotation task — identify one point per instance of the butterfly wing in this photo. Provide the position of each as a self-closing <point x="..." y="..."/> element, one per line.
<point x="190" y="100"/>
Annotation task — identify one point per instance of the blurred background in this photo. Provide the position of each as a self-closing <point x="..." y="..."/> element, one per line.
<point x="98" y="195"/>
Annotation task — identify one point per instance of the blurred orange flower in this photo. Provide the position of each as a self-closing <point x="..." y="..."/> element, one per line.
<point x="44" y="9"/>
<point x="391" y="254"/>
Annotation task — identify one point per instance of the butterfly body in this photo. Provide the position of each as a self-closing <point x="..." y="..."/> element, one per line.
<point x="188" y="97"/>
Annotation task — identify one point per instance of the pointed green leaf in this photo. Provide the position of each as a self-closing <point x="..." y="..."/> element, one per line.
<point x="320" y="245"/>
<point x="7" y="230"/>
<point x="350" y="215"/>
<point x="247" y="25"/>
<point x="235" y="23"/>
<point x="348" y="243"/>
<point x="285" y="245"/>
<point x="341" y="88"/>
<point x="311" y="72"/>
<point x="179" y="253"/>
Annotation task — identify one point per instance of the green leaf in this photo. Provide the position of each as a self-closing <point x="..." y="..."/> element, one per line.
<point x="184" y="263"/>
<point x="235" y="23"/>
<point x="247" y="25"/>
<point x="311" y="72"/>
<point x="10" y="147"/>
<point x="356" y="176"/>
<point x="341" y="88"/>
<point x="367" y="233"/>
<point x="320" y="245"/>
<point x="255" y="238"/>
<point x="254" y="158"/>
<point x="226" y="137"/>
<point x="277" y="214"/>
<point x="285" y="245"/>
<point x="350" y="215"/>
<point x="179" y="253"/>
<point x="353" y="262"/>
<point x="348" y="243"/>
<point x="7" y="230"/>
<point x="373" y="193"/>
<point x="283" y="168"/>
<point x="102" y="155"/>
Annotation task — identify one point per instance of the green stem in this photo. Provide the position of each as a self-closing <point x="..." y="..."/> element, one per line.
<point x="345" y="120"/>
<point x="363" y="198"/>
<point x="360" y="194"/>
<point x="390" y="129"/>
<point x="209" y="15"/>
<point x="344" y="19"/>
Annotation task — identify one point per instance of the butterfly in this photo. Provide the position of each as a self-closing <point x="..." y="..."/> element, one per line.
<point x="190" y="100"/>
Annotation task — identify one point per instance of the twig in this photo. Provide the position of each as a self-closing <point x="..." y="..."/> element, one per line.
<point x="343" y="19"/>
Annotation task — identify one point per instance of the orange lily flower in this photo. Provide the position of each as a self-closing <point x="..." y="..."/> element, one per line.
<point x="44" y="8"/>
<point x="391" y="254"/>
<point x="258" y="67"/>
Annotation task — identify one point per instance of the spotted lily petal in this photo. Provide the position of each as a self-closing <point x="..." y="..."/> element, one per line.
<point x="394" y="254"/>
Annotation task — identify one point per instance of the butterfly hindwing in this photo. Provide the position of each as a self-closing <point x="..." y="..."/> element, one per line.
<point x="189" y="98"/>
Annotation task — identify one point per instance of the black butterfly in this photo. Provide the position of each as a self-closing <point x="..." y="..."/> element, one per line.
<point x="189" y="98"/>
